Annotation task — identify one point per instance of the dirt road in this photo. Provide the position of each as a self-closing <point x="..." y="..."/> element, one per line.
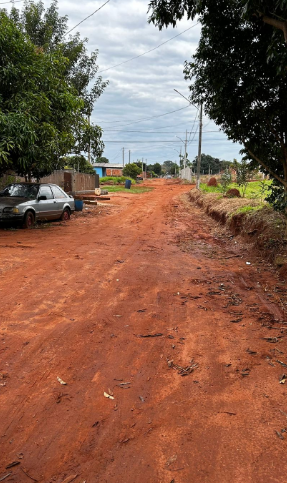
<point x="148" y="302"/>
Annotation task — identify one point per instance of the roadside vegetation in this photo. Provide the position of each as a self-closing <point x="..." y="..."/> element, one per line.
<point x="115" y="180"/>
<point x="134" y="189"/>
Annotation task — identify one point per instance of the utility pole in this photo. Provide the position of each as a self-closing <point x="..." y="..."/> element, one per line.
<point x="89" y="147"/>
<point x="199" y="149"/>
<point x="185" y="145"/>
<point x="145" y="167"/>
<point x="129" y="156"/>
<point x="142" y="166"/>
<point x="123" y="157"/>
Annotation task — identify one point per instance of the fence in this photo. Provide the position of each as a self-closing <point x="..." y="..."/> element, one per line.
<point x="68" y="180"/>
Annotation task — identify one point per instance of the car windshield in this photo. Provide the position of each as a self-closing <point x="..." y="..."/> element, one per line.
<point x="21" y="190"/>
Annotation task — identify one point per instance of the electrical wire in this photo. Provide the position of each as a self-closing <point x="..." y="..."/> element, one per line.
<point x="145" y="119"/>
<point x="12" y="1"/>
<point x="148" y="51"/>
<point x="87" y="17"/>
<point x="156" y="132"/>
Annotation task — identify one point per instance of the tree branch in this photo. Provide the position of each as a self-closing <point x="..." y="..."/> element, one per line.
<point x="278" y="24"/>
<point x="266" y="167"/>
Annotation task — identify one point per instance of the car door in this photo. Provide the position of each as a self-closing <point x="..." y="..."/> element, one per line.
<point x="45" y="208"/>
<point x="60" y="198"/>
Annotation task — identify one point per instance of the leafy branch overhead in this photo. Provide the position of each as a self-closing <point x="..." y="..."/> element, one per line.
<point x="239" y="72"/>
<point x="48" y="86"/>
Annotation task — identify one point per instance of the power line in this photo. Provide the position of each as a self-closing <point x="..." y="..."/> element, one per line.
<point x="145" y="119"/>
<point x="16" y="1"/>
<point x="87" y="17"/>
<point x="156" y="132"/>
<point x="148" y="51"/>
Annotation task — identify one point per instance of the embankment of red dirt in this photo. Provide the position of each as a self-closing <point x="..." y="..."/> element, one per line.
<point x="257" y="223"/>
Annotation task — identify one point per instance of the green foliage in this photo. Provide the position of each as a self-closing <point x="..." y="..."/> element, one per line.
<point x="239" y="72"/>
<point x="115" y="180"/>
<point x="37" y="105"/>
<point x="77" y="162"/>
<point x="169" y="167"/>
<point x="133" y="190"/>
<point x="225" y="181"/>
<point x="154" y="168"/>
<point x="278" y="197"/>
<point x="48" y="87"/>
<point x="132" y="170"/>
<point x="102" y="159"/>
<point x="243" y="174"/>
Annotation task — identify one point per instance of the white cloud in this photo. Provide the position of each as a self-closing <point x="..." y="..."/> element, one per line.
<point x="143" y="87"/>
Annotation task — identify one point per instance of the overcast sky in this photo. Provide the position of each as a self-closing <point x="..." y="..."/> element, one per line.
<point x="141" y="92"/>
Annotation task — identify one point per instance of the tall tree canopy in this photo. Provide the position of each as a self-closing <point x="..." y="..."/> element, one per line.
<point x="38" y="108"/>
<point x="48" y="84"/>
<point x="239" y="72"/>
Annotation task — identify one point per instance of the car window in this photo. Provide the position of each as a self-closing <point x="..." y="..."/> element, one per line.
<point x="21" y="190"/>
<point x="46" y="191"/>
<point x="58" y="193"/>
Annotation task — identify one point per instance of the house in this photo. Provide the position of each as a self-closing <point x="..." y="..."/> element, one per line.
<point x="108" y="169"/>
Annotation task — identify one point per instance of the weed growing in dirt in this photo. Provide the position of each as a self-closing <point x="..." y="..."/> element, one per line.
<point x="115" y="180"/>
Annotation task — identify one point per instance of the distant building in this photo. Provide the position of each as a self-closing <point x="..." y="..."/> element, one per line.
<point x="108" y="169"/>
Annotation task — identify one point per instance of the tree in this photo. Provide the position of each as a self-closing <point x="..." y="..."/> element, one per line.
<point x="78" y="162"/>
<point x="132" y="170"/>
<point x="208" y="164"/>
<point x="102" y="159"/>
<point x="169" y="167"/>
<point x="38" y="107"/>
<point x="239" y="73"/>
<point x="48" y="31"/>
<point x="243" y="174"/>
<point x="157" y="169"/>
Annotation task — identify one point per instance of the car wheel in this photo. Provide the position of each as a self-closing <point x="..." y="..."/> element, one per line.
<point x="29" y="220"/>
<point x="66" y="215"/>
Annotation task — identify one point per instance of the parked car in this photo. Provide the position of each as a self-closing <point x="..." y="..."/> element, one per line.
<point x="26" y="203"/>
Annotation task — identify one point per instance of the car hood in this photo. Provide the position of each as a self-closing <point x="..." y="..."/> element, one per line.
<point x="11" y="201"/>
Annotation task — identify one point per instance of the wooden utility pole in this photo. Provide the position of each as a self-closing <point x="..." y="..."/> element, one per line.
<point x="89" y="147"/>
<point x="199" y="149"/>
<point x="185" y="146"/>
<point x="129" y="156"/>
<point x="123" y="157"/>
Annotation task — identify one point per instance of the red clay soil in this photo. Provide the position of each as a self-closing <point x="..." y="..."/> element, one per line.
<point x="148" y="302"/>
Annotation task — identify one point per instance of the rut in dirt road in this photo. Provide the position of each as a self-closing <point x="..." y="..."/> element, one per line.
<point x="172" y="349"/>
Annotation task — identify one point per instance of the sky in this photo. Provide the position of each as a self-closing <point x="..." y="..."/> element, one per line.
<point x="139" y="110"/>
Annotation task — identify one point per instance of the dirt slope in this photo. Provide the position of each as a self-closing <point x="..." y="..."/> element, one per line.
<point x="76" y="299"/>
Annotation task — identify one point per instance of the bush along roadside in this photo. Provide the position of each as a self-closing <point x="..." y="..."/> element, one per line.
<point x="255" y="221"/>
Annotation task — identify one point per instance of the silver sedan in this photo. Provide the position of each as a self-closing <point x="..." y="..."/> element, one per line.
<point x="25" y="203"/>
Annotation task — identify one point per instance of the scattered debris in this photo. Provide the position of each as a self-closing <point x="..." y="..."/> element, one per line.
<point x="96" y="424"/>
<point x="107" y="396"/>
<point x="282" y="380"/>
<point x="141" y="310"/>
<point x="182" y="371"/>
<point x="279" y="435"/>
<point x="251" y="352"/>
<point x="61" y="381"/>
<point x="70" y="479"/>
<point x="142" y="399"/>
<point x="171" y="460"/>
<point x="282" y="363"/>
<point x="272" y="340"/>
<point x="245" y="372"/>
<point x="150" y="335"/>
<point x="15" y="463"/>
<point x="235" y="321"/>
<point x="6" y="476"/>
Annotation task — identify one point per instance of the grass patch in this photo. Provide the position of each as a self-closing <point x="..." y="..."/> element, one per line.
<point x="115" y="180"/>
<point x="247" y="209"/>
<point x="253" y="189"/>
<point x="133" y="190"/>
